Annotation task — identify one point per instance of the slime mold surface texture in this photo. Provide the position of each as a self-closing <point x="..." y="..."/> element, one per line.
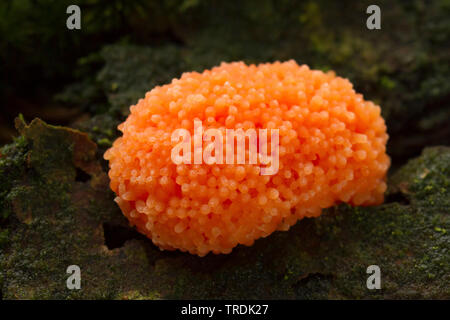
<point x="332" y="149"/>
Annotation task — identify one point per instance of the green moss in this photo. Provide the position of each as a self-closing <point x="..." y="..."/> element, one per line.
<point x="4" y="237"/>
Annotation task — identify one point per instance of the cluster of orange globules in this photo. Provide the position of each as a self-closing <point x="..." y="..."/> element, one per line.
<point x="332" y="149"/>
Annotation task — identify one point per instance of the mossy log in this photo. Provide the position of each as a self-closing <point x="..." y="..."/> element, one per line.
<point x="57" y="210"/>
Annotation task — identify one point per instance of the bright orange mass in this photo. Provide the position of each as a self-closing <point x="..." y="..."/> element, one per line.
<point x="332" y="149"/>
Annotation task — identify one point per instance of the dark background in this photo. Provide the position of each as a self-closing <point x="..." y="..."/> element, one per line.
<point x="88" y="78"/>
